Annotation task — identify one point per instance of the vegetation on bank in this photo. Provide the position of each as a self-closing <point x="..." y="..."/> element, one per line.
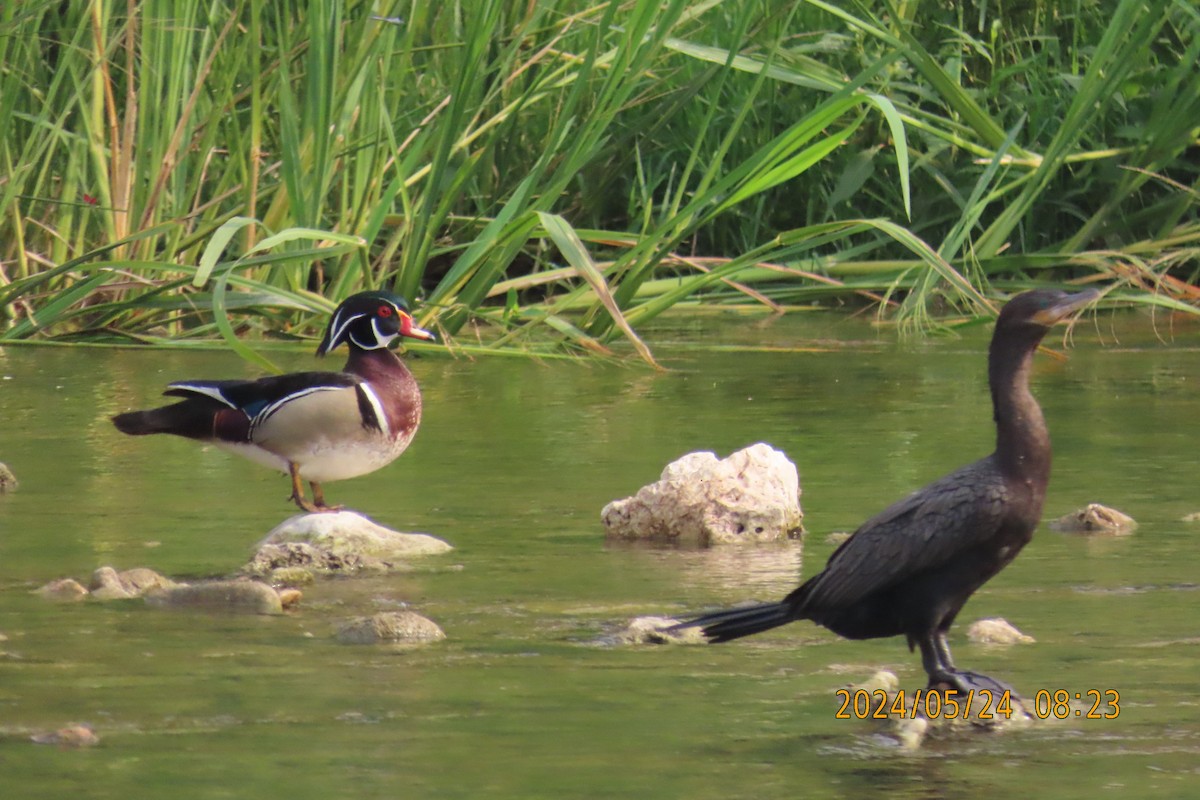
<point x="563" y="171"/>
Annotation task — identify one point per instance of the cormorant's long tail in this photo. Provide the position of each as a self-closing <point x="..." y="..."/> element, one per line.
<point x="722" y="626"/>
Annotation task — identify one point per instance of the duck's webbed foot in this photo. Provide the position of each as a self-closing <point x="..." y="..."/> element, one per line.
<point x="317" y="504"/>
<point x="319" y="498"/>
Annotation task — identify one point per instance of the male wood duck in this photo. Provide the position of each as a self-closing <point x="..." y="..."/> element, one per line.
<point x="315" y="426"/>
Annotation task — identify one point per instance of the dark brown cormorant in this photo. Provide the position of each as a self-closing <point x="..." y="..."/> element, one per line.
<point x="909" y="570"/>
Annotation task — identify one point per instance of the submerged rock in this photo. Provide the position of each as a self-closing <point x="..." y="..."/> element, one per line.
<point x="996" y="630"/>
<point x="238" y="596"/>
<point x="108" y="584"/>
<point x="342" y="542"/>
<point x="1095" y="518"/>
<point x="753" y="495"/>
<point x="64" y="589"/>
<point x="398" y="627"/>
<point x="75" y="735"/>
<point x="8" y="481"/>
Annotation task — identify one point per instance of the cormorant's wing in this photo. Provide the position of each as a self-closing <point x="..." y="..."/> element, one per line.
<point x="924" y="530"/>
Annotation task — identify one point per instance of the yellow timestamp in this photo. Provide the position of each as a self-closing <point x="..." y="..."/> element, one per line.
<point x="1104" y="704"/>
<point x="979" y="704"/>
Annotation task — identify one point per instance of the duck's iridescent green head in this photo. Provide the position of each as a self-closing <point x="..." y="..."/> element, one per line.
<point x="370" y="321"/>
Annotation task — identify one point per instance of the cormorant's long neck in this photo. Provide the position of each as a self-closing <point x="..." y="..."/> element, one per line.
<point x="1022" y="441"/>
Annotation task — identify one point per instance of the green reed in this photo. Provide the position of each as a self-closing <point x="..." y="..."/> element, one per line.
<point x="559" y="173"/>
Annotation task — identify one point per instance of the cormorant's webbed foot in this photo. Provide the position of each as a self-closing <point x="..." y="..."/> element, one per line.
<point x="965" y="682"/>
<point x="939" y="666"/>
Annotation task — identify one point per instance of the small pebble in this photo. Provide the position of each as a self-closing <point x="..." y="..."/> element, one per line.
<point x="72" y="736"/>
<point x="996" y="630"/>
<point x="8" y="481"/>
<point x="290" y="598"/>
<point x="67" y="589"/>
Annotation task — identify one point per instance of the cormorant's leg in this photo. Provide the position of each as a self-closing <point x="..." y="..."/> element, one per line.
<point x="939" y="666"/>
<point x="943" y="651"/>
<point x="319" y="498"/>
<point x="932" y="651"/>
<point x="297" y="495"/>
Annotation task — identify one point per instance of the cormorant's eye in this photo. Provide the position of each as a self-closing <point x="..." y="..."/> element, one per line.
<point x="385" y="311"/>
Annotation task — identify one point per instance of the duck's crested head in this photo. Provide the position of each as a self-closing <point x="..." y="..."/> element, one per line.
<point x="1042" y="308"/>
<point x="370" y="321"/>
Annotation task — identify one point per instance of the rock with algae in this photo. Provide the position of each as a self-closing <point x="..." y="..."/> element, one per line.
<point x="655" y="630"/>
<point x="342" y="542"/>
<point x="751" y="496"/>
<point x="1095" y="518"/>
<point x="389" y="627"/>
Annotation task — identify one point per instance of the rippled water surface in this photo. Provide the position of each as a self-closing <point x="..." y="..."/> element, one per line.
<point x="512" y="465"/>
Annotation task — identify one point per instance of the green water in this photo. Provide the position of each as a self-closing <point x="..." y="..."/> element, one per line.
<point x="512" y="465"/>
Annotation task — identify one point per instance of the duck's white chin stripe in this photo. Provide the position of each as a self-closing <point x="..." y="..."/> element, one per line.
<point x="383" y="339"/>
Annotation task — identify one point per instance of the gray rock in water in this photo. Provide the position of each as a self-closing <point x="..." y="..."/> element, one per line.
<point x="342" y="542"/>
<point x="108" y="584"/>
<point x="753" y="495"/>
<point x="8" y="481"/>
<point x="241" y="597"/>
<point x="996" y="630"/>
<point x="397" y="627"/>
<point x="1095" y="518"/>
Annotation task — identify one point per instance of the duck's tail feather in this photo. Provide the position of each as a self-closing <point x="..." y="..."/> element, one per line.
<point x="194" y="420"/>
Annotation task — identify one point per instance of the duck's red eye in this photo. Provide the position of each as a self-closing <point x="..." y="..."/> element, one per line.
<point x="385" y="311"/>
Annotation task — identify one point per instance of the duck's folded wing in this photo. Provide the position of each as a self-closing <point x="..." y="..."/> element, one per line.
<point x="253" y="397"/>
<point x="260" y="399"/>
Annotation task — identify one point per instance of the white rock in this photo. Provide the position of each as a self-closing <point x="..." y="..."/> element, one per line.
<point x="753" y="495"/>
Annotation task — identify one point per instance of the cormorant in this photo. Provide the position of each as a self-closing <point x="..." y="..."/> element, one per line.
<point x="909" y="570"/>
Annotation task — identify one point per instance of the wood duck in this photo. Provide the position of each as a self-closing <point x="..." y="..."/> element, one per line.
<point x="315" y="426"/>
